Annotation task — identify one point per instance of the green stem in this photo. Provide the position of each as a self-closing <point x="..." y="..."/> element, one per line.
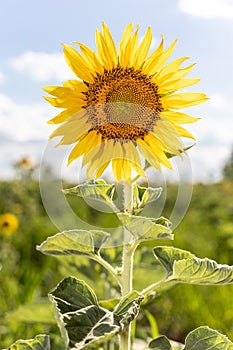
<point x="153" y="287"/>
<point x="127" y="262"/>
<point x="108" y="267"/>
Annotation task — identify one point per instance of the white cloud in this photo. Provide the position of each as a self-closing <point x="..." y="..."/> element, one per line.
<point x="2" y="78"/>
<point x="24" y="121"/>
<point x="207" y="8"/>
<point x="42" y="66"/>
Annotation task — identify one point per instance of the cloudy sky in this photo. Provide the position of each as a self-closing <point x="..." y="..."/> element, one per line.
<point x="31" y="33"/>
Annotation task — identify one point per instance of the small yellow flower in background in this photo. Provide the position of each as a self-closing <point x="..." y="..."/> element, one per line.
<point x="123" y="104"/>
<point x="25" y="163"/>
<point x="8" y="223"/>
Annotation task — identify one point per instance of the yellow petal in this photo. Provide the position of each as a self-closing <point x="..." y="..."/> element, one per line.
<point x="178" y="117"/>
<point x="157" y="64"/>
<point x="174" y="85"/>
<point x="126" y="169"/>
<point x="148" y="155"/>
<point x="182" y="72"/>
<point x="105" y="153"/>
<point x="91" y="58"/>
<point x="67" y="102"/>
<point x="72" y="130"/>
<point x="183" y="132"/>
<point x="133" y="45"/>
<point x="169" y="68"/>
<point x="90" y="156"/>
<point x="117" y="168"/>
<point x="167" y="134"/>
<point x="125" y="56"/>
<point x="103" y="51"/>
<point x="76" y="84"/>
<point x="83" y="146"/>
<point x="126" y="36"/>
<point x="153" y="57"/>
<point x="121" y="169"/>
<point x="64" y="92"/>
<point x="131" y="154"/>
<point x="143" y="49"/>
<point x="182" y="100"/>
<point x="101" y="169"/>
<point x="156" y="149"/>
<point x="125" y="46"/>
<point x="77" y="63"/>
<point x="64" y="115"/>
<point x="110" y="43"/>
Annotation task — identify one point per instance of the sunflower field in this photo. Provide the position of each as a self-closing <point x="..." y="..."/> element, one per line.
<point x="27" y="276"/>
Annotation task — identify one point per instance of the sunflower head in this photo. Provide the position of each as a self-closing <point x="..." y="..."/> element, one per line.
<point x="8" y="223"/>
<point x="123" y="104"/>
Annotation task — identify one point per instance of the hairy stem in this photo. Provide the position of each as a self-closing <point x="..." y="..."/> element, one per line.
<point x="154" y="287"/>
<point x="108" y="267"/>
<point x="127" y="263"/>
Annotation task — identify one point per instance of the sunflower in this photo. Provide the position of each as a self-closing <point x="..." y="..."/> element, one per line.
<point x="8" y="223"/>
<point x="124" y="104"/>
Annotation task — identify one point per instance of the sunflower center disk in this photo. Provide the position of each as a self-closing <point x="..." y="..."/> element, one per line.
<point x="123" y="104"/>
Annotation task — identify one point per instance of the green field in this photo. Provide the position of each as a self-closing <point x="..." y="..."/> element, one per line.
<point x="27" y="276"/>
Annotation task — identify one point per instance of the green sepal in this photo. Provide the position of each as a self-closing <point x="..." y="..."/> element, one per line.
<point x="143" y="196"/>
<point x="98" y="189"/>
<point x="40" y="342"/>
<point x="171" y="155"/>
<point x="184" y="267"/>
<point x="74" y="242"/>
<point x="146" y="229"/>
<point x="82" y="320"/>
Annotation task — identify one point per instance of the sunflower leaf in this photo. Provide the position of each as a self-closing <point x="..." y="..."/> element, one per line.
<point x="82" y="320"/>
<point x="143" y="196"/>
<point x="40" y="342"/>
<point x="98" y="190"/>
<point x="144" y="229"/>
<point x="167" y="256"/>
<point x="74" y="242"/>
<point x="128" y="307"/>
<point x="204" y="338"/>
<point x="184" y="267"/>
<point x="160" y="343"/>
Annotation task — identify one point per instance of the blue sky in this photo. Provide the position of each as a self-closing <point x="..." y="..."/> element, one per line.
<point x="31" y="33"/>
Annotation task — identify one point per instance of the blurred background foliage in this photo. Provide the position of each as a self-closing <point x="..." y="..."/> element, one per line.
<point x="27" y="276"/>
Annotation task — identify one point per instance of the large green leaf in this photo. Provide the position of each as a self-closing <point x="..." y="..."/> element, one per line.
<point x="40" y="342"/>
<point x="205" y="338"/>
<point x="98" y="189"/>
<point x="74" y="242"/>
<point x="143" y="228"/>
<point x="143" y="196"/>
<point x="201" y="338"/>
<point x="182" y="266"/>
<point x="82" y="320"/>
<point x="169" y="255"/>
